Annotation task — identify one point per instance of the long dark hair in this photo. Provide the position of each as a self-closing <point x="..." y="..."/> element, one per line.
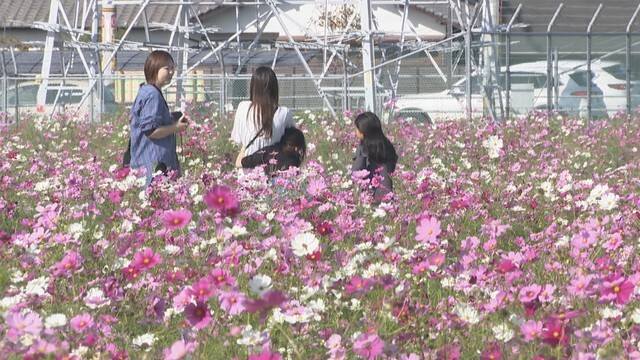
<point x="264" y="94"/>
<point x="293" y="143"/>
<point x="375" y="143"/>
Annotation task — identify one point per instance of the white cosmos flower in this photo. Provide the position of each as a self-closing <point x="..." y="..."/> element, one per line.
<point x="144" y="341"/>
<point x="635" y="316"/>
<point x="260" y="284"/>
<point x="610" y="313"/>
<point x="597" y="192"/>
<point x="237" y="230"/>
<point x="95" y="299"/>
<point x="251" y="337"/>
<point x="304" y="244"/>
<point x="37" y="286"/>
<point x="493" y="145"/>
<point x="503" y="332"/>
<point x="608" y="201"/>
<point x="467" y="313"/>
<point x="55" y="320"/>
<point x="171" y="249"/>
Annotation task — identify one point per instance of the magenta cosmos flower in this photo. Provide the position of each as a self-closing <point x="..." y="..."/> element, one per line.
<point x="198" y="315"/>
<point x="70" y="262"/>
<point x="368" y="346"/>
<point x="616" y="288"/>
<point x="266" y="355"/>
<point x="358" y="286"/>
<point x="222" y="199"/>
<point x="428" y="230"/>
<point x="554" y="333"/>
<point x="145" y="260"/>
<point x="176" y="219"/>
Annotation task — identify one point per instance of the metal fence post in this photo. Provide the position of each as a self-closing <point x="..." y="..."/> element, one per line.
<point x="628" y="60"/>
<point x="508" y="62"/>
<point x="550" y="80"/>
<point x="589" y="72"/>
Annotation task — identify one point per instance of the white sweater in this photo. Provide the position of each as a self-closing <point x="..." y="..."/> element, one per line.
<point x="245" y="129"/>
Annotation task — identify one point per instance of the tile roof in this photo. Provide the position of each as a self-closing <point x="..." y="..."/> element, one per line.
<point x="26" y="12"/>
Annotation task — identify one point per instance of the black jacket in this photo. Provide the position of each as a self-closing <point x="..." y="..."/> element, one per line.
<point x="273" y="157"/>
<point x="361" y="161"/>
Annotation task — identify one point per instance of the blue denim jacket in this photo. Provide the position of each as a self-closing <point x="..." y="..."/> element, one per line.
<point x="150" y="111"/>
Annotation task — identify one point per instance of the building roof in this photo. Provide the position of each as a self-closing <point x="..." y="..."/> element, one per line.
<point x="574" y="17"/>
<point x="26" y="12"/>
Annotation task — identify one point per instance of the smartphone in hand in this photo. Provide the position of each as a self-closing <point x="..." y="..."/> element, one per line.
<point x="176" y="115"/>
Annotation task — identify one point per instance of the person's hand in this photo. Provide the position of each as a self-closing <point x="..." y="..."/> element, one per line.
<point x="183" y="123"/>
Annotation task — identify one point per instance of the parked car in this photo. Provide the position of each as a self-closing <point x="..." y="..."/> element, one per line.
<point x="529" y="91"/>
<point x="66" y="97"/>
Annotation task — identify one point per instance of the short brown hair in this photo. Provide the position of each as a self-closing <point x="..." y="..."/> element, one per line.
<point x="156" y="61"/>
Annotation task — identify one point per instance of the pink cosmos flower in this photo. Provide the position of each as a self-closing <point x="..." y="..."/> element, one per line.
<point x="220" y="278"/>
<point x="44" y="347"/>
<point x="176" y="219"/>
<point x="198" y="315"/>
<point x="616" y="288"/>
<point x="529" y="293"/>
<point x="145" y="260"/>
<point x="491" y="352"/>
<point x="179" y="350"/>
<point x="202" y="290"/>
<point x="546" y="294"/>
<point x="115" y="196"/>
<point x="70" y="262"/>
<point x="266" y="355"/>
<point x="369" y="346"/>
<point x="584" y="239"/>
<point x="23" y="323"/>
<point x="232" y="302"/>
<point x="334" y="344"/>
<point x="316" y="187"/>
<point x="428" y="230"/>
<point x="614" y="242"/>
<point x="182" y="299"/>
<point x="505" y="266"/>
<point x="436" y="259"/>
<point x="357" y="286"/>
<point x="222" y="199"/>
<point x="531" y="330"/>
<point x="81" y="323"/>
<point x="420" y="268"/>
<point x="579" y="286"/>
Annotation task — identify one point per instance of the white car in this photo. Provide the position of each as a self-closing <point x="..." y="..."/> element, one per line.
<point x="66" y="97"/>
<point x="529" y="91"/>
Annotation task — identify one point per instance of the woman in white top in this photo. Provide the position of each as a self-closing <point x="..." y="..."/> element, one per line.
<point x="261" y="115"/>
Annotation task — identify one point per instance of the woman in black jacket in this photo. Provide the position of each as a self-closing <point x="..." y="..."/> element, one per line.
<point x="374" y="153"/>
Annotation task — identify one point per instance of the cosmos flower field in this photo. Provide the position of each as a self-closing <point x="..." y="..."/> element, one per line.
<point x="505" y="240"/>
